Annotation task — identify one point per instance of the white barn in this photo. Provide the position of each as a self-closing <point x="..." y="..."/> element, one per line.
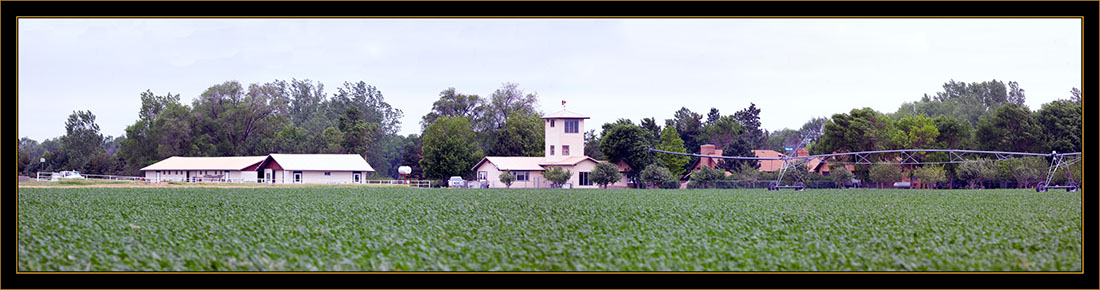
<point x="204" y="169"/>
<point x="273" y="168"/>
<point x="314" y="168"/>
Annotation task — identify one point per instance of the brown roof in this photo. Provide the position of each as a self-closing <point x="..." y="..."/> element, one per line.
<point x="769" y="165"/>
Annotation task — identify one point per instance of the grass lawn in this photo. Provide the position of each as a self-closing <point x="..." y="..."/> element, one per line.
<point x="408" y="229"/>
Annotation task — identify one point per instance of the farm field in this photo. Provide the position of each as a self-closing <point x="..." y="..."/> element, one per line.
<point x="407" y="229"/>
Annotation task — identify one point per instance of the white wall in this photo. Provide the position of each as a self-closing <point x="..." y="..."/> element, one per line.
<point x="556" y="136"/>
<point x="535" y="179"/>
<point x="181" y="175"/>
<point x="317" y="177"/>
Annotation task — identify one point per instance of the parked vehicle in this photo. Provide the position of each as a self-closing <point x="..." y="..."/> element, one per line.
<point x="66" y="175"/>
<point x="456" y="182"/>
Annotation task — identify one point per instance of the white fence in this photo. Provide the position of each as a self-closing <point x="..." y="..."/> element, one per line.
<point x="48" y="176"/>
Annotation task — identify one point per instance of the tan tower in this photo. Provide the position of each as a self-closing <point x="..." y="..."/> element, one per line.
<point x="564" y="135"/>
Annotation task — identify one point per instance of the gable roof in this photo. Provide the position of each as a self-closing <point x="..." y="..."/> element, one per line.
<point x="322" y="162"/>
<point x="563" y="114"/>
<point x="512" y="163"/>
<point x="205" y="163"/>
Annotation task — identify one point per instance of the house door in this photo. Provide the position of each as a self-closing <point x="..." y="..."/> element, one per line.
<point x="268" y="176"/>
<point x="356" y="178"/>
<point x="297" y="177"/>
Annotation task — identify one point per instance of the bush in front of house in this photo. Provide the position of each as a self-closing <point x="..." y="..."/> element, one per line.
<point x="507" y="178"/>
<point x="605" y="173"/>
<point x="557" y="176"/>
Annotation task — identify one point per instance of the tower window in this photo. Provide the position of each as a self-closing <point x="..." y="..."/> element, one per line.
<point x="551" y="149"/>
<point x="564" y="150"/>
<point x="571" y="126"/>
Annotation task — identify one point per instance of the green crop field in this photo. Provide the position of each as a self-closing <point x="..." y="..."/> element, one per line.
<point x="404" y="229"/>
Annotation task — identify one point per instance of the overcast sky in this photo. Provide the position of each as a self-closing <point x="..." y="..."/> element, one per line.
<point x="793" y="69"/>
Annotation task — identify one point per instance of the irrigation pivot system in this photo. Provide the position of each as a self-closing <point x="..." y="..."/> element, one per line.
<point x="912" y="157"/>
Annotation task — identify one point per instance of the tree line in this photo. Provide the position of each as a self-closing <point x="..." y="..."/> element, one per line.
<point x="299" y="116"/>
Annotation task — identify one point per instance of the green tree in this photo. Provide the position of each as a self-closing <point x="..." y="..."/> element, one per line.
<point x="292" y="139"/>
<point x="557" y="176"/>
<point x="454" y="104"/>
<point x="841" y="176"/>
<point x="592" y="145"/>
<point x="689" y="125"/>
<point x="627" y="143"/>
<point x="358" y="135"/>
<point x="747" y="174"/>
<point x="411" y="155"/>
<point x="507" y="178"/>
<point x="750" y="118"/>
<point x="449" y="148"/>
<point x="739" y="147"/>
<point x="885" y="173"/>
<point x="1061" y="126"/>
<point x="712" y="116"/>
<point x="654" y="130"/>
<point x="860" y="130"/>
<point x="522" y="135"/>
<point x="706" y="177"/>
<point x="1010" y="127"/>
<point x="919" y="131"/>
<point x="332" y="140"/>
<point x="1075" y="96"/>
<point x="1026" y="172"/>
<point x="953" y="134"/>
<point x="236" y="120"/>
<point x="930" y="175"/>
<point x="724" y="131"/>
<point x="976" y="173"/>
<point x="605" y="173"/>
<point x="656" y="175"/>
<point x="82" y="143"/>
<point x="163" y="129"/>
<point x="670" y="141"/>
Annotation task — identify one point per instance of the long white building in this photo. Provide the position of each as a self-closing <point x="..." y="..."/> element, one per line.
<point x="273" y="168"/>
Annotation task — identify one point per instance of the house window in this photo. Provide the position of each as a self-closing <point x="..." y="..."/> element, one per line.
<point x="564" y="150"/>
<point x="482" y="175"/>
<point x="328" y="173"/>
<point x="551" y="149"/>
<point x="521" y="175"/>
<point x="551" y="123"/>
<point x="584" y="179"/>
<point x="571" y="126"/>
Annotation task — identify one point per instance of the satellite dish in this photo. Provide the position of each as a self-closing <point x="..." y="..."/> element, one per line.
<point x="404" y="170"/>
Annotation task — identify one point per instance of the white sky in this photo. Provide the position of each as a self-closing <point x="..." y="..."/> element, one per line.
<point x="793" y="69"/>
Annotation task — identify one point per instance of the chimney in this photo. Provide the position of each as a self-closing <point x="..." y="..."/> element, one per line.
<point x="706" y="149"/>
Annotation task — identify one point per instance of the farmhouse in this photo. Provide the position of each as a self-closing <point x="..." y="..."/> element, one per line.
<point x="816" y="165"/>
<point x="273" y="168"/>
<point x="564" y="147"/>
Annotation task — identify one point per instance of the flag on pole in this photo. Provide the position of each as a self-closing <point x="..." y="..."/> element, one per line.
<point x="563" y="103"/>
